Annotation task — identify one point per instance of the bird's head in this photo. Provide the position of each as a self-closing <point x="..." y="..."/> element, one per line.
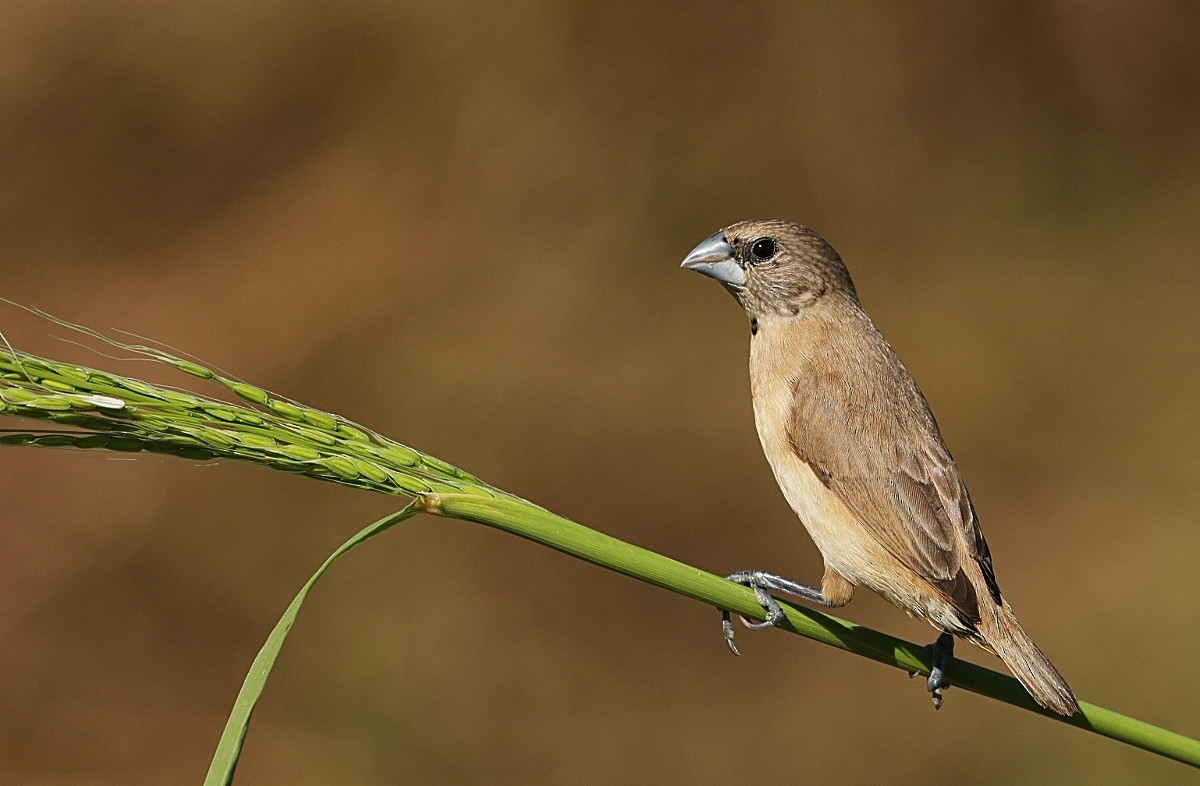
<point x="773" y="267"/>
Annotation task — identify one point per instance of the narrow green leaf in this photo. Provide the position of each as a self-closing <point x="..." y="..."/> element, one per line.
<point x="229" y="749"/>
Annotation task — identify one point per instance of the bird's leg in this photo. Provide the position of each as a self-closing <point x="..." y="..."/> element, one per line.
<point x="762" y="583"/>
<point x="943" y="650"/>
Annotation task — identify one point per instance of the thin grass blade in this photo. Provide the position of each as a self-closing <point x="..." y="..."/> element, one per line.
<point x="229" y="749"/>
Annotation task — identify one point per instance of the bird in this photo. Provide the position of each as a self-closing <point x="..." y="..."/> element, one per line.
<point x="859" y="457"/>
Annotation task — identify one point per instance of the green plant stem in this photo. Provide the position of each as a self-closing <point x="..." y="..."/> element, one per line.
<point x="539" y="525"/>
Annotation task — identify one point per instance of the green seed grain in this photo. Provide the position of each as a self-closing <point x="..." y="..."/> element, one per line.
<point x="411" y="485"/>
<point x="100" y="378"/>
<point x="249" y="392"/>
<point x="140" y="388"/>
<point x="353" y="434"/>
<point x="221" y="413"/>
<point x="439" y="465"/>
<point x="320" y="437"/>
<point x="399" y="455"/>
<point x="194" y="369"/>
<point x="299" y="452"/>
<point x="341" y="466"/>
<point x="371" y="471"/>
<point x="18" y="395"/>
<point x="257" y="440"/>
<point x="75" y="375"/>
<point x="215" y="437"/>
<point x="52" y="403"/>
<point x="320" y="419"/>
<point x="179" y="397"/>
<point x="286" y="410"/>
<point x="61" y="387"/>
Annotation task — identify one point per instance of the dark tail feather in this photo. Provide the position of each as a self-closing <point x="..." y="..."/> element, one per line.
<point x="1027" y="663"/>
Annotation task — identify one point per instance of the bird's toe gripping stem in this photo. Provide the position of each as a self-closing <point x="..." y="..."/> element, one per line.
<point x="943" y="651"/>
<point x="762" y="583"/>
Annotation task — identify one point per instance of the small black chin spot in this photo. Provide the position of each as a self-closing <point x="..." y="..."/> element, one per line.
<point x="754" y="326"/>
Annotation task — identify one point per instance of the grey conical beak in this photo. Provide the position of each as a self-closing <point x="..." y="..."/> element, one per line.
<point x="714" y="258"/>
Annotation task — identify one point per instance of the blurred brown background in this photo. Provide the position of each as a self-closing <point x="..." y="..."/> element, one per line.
<point x="462" y="226"/>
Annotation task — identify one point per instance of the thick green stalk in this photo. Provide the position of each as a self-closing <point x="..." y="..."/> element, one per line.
<point x="541" y="526"/>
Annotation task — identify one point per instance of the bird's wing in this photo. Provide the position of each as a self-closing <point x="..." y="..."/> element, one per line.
<point x="885" y="460"/>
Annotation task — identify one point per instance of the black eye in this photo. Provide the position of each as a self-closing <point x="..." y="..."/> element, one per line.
<point x="763" y="249"/>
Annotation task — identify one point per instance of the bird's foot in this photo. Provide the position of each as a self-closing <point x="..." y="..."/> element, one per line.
<point x="761" y="583"/>
<point x="943" y="651"/>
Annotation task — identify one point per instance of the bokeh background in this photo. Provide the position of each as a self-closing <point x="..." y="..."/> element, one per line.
<point x="461" y="224"/>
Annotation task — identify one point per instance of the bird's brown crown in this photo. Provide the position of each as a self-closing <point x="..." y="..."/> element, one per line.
<point x="788" y="267"/>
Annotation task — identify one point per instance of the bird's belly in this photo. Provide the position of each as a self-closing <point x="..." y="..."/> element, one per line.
<point x="833" y="528"/>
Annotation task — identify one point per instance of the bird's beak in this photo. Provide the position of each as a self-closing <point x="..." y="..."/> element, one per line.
<point x="714" y="258"/>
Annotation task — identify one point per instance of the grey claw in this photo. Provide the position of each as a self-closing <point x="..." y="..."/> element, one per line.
<point x="727" y="632"/>
<point x="935" y="684"/>
<point x="771" y="608"/>
<point x="943" y="650"/>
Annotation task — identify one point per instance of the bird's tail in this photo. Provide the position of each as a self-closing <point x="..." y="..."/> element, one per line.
<point x="1008" y="639"/>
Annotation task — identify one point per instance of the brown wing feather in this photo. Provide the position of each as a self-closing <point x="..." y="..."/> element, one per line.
<point x="877" y="446"/>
